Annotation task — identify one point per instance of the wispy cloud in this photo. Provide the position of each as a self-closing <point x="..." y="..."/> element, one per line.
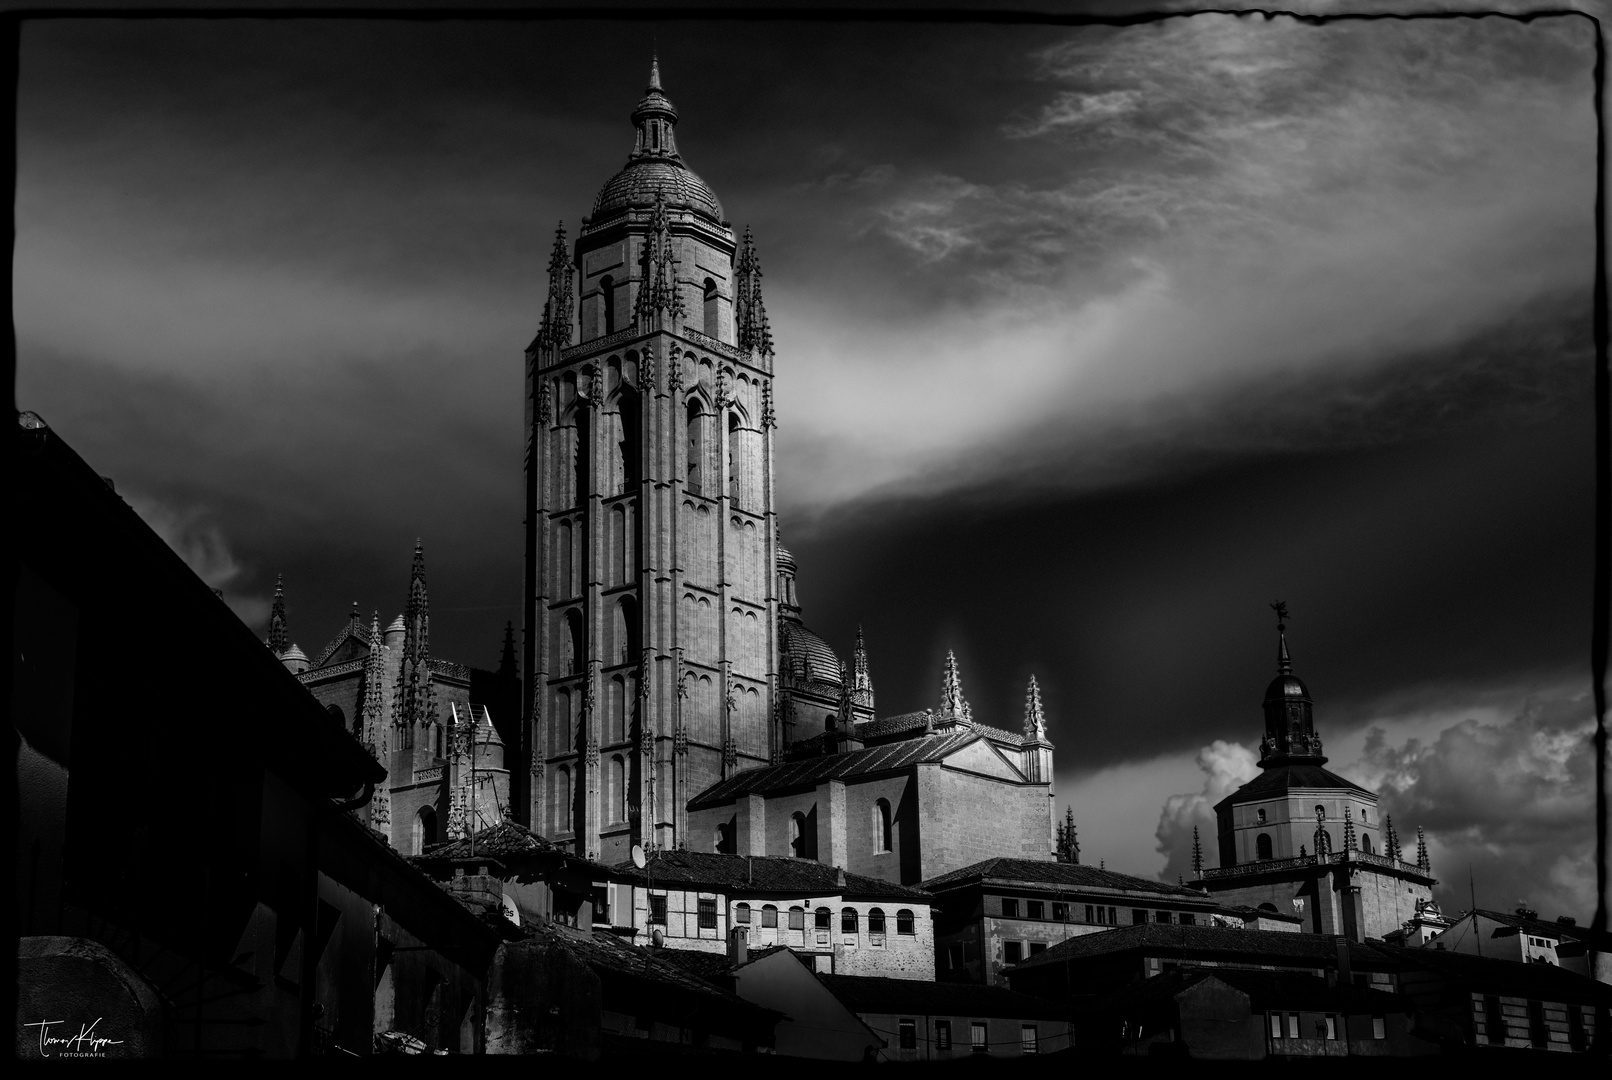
<point x="196" y="538"/>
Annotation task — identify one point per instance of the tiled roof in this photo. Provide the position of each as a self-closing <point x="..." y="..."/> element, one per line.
<point x="810" y="772"/>
<point x="885" y="726"/>
<point x="874" y="994"/>
<point x="702" y="965"/>
<point x="1060" y="875"/>
<point x="1318" y="950"/>
<point x="1267" y="989"/>
<point x="1538" y="926"/>
<point x="609" y="956"/>
<point x="764" y="874"/>
<point x="807" y="655"/>
<point x="1247" y="911"/>
<point x="1284" y="778"/>
<point x="506" y="838"/>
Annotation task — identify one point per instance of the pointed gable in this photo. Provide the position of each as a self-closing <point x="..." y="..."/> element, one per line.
<point x="979" y="756"/>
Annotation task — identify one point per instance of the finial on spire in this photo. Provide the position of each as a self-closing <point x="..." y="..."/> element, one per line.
<point x="654" y="70"/>
<point x="1390" y="839"/>
<point x="1035" y="719"/>
<point x="1423" y="863"/>
<point x="1349" y="842"/>
<point x="1197" y="853"/>
<point x="279" y="642"/>
<point x="1068" y="850"/>
<point x="1284" y="662"/>
<point x="557" y="309"/>
<point x="951" y="692"/>
<point x="506" y="660"/>
<point x="750" y="313"/>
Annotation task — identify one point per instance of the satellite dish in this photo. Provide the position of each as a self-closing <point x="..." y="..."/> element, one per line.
<point x="658" y="936"/>
<point x="638" y="856"/>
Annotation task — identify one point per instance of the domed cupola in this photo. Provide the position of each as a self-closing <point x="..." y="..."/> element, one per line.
<point x="1289" y="711"/>
<point x="655" y="167"/>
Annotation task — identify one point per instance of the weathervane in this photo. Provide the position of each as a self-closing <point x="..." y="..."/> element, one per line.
<point x="1280" y="607"/>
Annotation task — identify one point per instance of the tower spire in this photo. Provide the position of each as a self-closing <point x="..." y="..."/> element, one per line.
<point x="1423" y="863"/>
<point x="750" y="313"/>
<point x="557" y="309"/>
<point x="861" y="681"/>
<point x="654" y="70"/>
<point x="1284" y="662"/>
<point x="414" y="706"/>
<point x="1197" y="853"/>
<point x="1035" y="719"/>
<point x="952" y="701"/>
<point x="278" y="641"/>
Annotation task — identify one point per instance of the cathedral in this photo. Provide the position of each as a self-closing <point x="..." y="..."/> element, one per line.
<point x="673" y="695"/>
<point x="434" y="724"/>
<point x="1301" y="840"/>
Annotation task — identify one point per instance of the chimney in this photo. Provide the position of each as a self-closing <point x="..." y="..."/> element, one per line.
<point x="738" y="947"/>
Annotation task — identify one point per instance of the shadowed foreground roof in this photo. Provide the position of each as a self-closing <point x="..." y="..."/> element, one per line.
<point x="764" y="874"/>
<point x="1173" y="939"/>
<point x="1065" y="875"/>
<point x="1265" y="989"/>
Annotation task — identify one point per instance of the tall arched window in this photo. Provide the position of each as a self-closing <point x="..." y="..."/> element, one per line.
<point x="881" y="825"/>
<point x="876" y="922"/>
<point x="616" y="706"/>
<point x="626" y="630"/>
<point x="696" y="446"/>
<point x="579" y="460"/>
<point x="572" y="645"/>
<point x="562" y="799"/>
<point x="906" y="923"/>
<point x="560" y="723"/>
<point x="618" y="788"/>
<point x="712" y="317"/>
<point x="722" y="844"/>
<point x="627" y="453"/>
<point x="1365" y="843"/>
<point x="562" y="559"/>
<point x="734" y="488"/>
<point x="1262" y="846"/>
<point x="425" y="829"/>
<point x="850" y="922"/>
<point x="607" y="303"/>
<point x="741" y="914"/>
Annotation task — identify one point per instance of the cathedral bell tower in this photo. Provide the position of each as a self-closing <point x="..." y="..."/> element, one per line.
<point x="651" y="540"/>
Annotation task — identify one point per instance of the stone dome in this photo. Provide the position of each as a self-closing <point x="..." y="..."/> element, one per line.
<point x="636" y="186"/>
<point x="805" y="651"/>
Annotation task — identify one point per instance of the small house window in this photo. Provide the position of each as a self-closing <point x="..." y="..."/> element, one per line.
<point x="1138" y="916"/>
<point x="1276" y="1025"/>
<point x="769" y="917"/>
<point x="797" y="918"/>
<point x="876" y="922"/>
<point x="978" y="1042"/>
<point x="1037" y="948"/>
<point x="850" y="923"/>
<point x="741" y="914"/>
<point x="707" y="914"/>
<point x="1379" y="1027"/>
<point x="1037" y="909"/>
<point x="1012" y="952"/>
<point x="1028" y="1042"/>
<point x="905" y="922"/>
<point x="1060" y="912"/>
<point x="657" y="910"/>
<point x="823" y="918"/>
<point x="1161" y="916"/>
<point x="909" y="1034"/>
<point x="1292" y="1025"/>
<point x="1261" y="816"/>
<point x="1262" y="846"/>
<point x="1010" y="908"/>
<point x="943" y="1034"/>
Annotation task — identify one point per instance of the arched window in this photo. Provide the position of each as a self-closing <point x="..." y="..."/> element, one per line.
<point x="769" y="916"/>
<point x="607" y="303"/>
<point x="617" y="798"/>
<point x="906" y="923"/>
<point x="823" y="919"/>
<point x="571" y="644"/>
<point x="616" y="716"/>
<point x="850" y="921"/>
<point x="562" y="561"/>
<point x="876" y="922"/>
<point x="722" y="841"/>
<point x="741" y="914"/>
<point x="1261" y="816"/>
<point x="797" y="917"/>
<point x="562" y="799"/>
<point x="797" y="836"/>
<point x="425" y="829"/>
<point x="1320" y="811"/>
<point x="579" y="460"/>
<point x="1262" y="846"/>
<point x="733" y="459"/>
<point x="1365" y="843"/>
<point x="627" y="453"/>
<point x="626" y="630"/>
<point x="881" y="825"/>
<point x="712" y="319"/>
<point x="696" y="446"/>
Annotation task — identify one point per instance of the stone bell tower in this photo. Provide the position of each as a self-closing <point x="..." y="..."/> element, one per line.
<point x="651" y="538"/>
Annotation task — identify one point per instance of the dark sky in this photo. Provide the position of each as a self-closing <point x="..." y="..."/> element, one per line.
<point x="1091" y="343"/>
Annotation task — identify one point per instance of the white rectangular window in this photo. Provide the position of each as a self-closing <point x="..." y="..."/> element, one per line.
<point x="1332" y="1027"/>
<point x="1027" y="1039"/>
<point x="1379" y="1028"/>
<point x="1292" y="1025"/>
<point x="976" y="1034"/>
<point x="1276" y="1025"/>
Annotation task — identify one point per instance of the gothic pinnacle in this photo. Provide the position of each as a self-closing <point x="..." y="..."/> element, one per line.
<point x="863" y="681"/>
<point x="654" y="71"/>
<point x="1035" y="720"/>
<point x="278" y="640"/>
<point x="1284" y="662"/>
<point x="1197" y="853"/>
<point x="951" y="692"/>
